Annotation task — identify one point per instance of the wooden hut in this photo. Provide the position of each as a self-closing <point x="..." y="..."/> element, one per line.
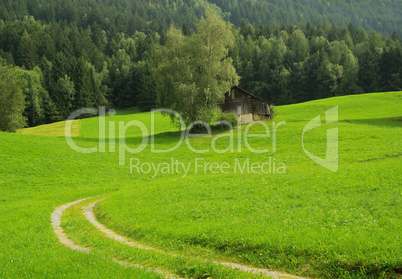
<point x="248" y="107"/>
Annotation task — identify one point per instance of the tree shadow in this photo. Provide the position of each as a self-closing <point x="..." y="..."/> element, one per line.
<point x="165" y="138"/>
<point x="381" y="122"/>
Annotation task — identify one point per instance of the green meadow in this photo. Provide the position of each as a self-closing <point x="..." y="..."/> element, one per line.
<point x="276" y="209"/>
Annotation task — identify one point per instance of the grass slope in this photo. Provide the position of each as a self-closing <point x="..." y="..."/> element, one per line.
<point x="308" y="221"/>
<point x="52" y="130"/>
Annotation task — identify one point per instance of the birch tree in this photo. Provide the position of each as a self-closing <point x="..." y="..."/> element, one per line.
<point x="194" y="72"/>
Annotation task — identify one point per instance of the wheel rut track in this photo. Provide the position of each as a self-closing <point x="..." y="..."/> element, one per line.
<point x="88" y="211"/>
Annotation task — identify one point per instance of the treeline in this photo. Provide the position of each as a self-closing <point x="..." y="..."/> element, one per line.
<point x="295" y="64"/>
<point x="382" y="16"/>
<point x="126" y="16"/>
<point x="75" y="67"/>
<point x="65" y="65"/>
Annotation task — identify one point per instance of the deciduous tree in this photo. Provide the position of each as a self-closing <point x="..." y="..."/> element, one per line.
<point x="193" y="73"/>
<point x="12" y="101"/>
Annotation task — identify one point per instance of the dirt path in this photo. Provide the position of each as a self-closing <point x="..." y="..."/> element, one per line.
<point x="89" y="214"/>
<point x="147" y="269"/>
<point x="58" y="230"/>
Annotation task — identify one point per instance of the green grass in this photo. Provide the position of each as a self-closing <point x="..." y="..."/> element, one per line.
<point x="52" y="130"/>
<point x="185" y="266"/>
<point x="309" y="221"/>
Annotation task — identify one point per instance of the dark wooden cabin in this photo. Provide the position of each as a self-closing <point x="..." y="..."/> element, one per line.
<point x="248" y="107"/>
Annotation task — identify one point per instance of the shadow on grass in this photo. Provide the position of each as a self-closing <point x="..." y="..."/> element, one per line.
<point x="166" y="138"/>
<point x="301" y="261"/>
<point x="382" y="122"/>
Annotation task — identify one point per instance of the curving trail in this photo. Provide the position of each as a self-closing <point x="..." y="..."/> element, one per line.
<point x="260" y="271"/>
<point x="89" y="214"/>
<point x="58" y="230"/>
<point x="147" y="269"/>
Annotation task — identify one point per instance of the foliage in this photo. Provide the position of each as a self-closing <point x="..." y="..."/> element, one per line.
<point x="34" y="96"/>
<point x="272" y="109"/>
<point x="297" y="64"/>
<point x="229" y="117"/>
<point x="132" y="16"/>
<point x="64" y="92"/>
<point x="12" y="102"/>
<point x="102" y="54"/>
<point x="371" y="15"/>
<point x="194" y="72"/>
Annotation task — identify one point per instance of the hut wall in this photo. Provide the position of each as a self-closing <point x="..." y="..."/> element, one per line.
<point x="236" y="105"/>
<point x="260" y="107"/>
<point x="246" y="106"/>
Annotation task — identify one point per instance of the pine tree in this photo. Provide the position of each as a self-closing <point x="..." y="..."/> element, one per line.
<point x="26" y="52"/>
<point x="98" y="37"/>
<point x="64" y="95"/>
<point x="369" y="71"/>
<point x="391" y="68"/>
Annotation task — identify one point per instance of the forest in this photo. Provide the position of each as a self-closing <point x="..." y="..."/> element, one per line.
<point x="57" y="56"/>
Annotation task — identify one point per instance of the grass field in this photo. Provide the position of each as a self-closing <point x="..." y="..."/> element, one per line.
<point x="52" y="130"/>
<point x="308" y="221"/>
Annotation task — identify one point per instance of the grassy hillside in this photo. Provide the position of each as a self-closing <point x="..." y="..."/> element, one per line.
<point x="52" y="130"/>
<point x="308" y="221"/>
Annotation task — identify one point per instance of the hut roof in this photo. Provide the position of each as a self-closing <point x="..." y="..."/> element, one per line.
<point x="235" y="86"/>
